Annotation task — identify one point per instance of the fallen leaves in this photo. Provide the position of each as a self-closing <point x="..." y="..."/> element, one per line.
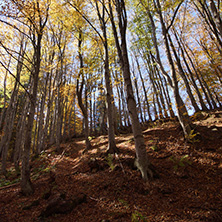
<point x="192" y="192"/>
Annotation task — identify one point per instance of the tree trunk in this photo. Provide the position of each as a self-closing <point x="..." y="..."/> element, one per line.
<point x="109" y="92"/>
<point x="142" y="161"/>
<point x="138" y="96"/>
<point x="26" y="185"/>
<point x="79" y="90"/>
<point x="3" y="110"/>
<point x="183" y="117"/>
<point x="203" y="106"/>
<point x="182" y="74"/>
<point x="11" y="112"/>
<point x="160" y="91"/>
<point x="144" y="89"/>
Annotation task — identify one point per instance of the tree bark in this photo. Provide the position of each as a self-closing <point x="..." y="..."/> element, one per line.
<point x="183" y="117"/>
<point x="26" y="185"/>
<point x="109" y="92"/>
<point x="79" y="91"/>
<point x="142" y="161"/>
<point x="182" y="74"/>
<point x="144" y="89"/>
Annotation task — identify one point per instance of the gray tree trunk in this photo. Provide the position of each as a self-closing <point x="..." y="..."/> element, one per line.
<point x="26" y="185"/>
<point x="182" y="74"/>
<point x="183" y="117"/>
<point x="79" y="91"/>
<point x="109" y="92"/>
<point x="142" y="161"/>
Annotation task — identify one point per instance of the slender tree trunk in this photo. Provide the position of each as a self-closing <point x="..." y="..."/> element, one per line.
<point x="59" y="119"/>
<point x="142" y="161"/>
<point x="79" y="90"/>
<point x="74" y="126"/>
<point x="144" y="89"/>
<point x="181" y="108"/>
<point x="3" y="111"/>
<point x="109" y="92"/>
<point x="26" y="185"/>
<point x="35" y="127"/>
<point x="42" y="125"/>
<point x="165" y="91"/>
<point x="20" y="129"/>
<point x="203" y="106"/>
<point x="196" y="70"/>
<point x="94" y="115"/>
<point x="124" y="104"/>
<point x="182" y="74"/>
<point x="120" y="123"/>
<point x="212" y="19"/>
<point x="208" y="91"/>
<point x="138" y="96"/>
<point x="11" y="112"/>
<point x="160" y="92"/>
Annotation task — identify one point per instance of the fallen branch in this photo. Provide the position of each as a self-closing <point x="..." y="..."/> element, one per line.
<point x="9" y="186"/>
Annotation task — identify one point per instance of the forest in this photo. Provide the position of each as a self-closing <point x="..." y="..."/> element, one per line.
<point x="110" y="103"/>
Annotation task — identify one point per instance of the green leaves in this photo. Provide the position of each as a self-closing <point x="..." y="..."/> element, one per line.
<point x="109" y="160"/>
<point x="137" y="216"/>
<point x="182" y="162"/>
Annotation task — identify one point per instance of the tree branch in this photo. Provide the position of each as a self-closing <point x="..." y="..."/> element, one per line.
<point x="86" y="19"/>
<point x="16" y="80"/>
<point x="174" y="15"/>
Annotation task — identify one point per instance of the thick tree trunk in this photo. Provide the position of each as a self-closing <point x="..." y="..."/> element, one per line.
<point x="142" y="159"/>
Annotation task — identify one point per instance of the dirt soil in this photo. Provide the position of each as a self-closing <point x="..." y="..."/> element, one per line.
<point x="189" y="187"/>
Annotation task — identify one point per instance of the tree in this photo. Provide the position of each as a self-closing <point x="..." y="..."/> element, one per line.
<point x="11" y="110"/>
<point x="181" y="108"/>
<point x="101" y="14"/>
<point x="109" y="93"/>
<point x="142" y="161"/>
<point x="34" y="16"/>
<point x="79" y="92"/>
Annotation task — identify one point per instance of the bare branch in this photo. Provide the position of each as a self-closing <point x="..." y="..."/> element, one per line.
<point x="16" y="79"/>
<point x="13" y="26"/>
<point x="8" y="51"/>
<point x="174" y="15"/>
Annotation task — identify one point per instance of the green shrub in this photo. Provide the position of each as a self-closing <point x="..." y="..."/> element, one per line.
<point x="182" y="162"/>
<point x="137" y="216"/>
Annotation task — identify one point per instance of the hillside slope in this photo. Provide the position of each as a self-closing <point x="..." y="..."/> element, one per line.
<point x="108" y="188"/>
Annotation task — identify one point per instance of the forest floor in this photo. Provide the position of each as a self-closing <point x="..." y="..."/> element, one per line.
<point x="189" y="187"/>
